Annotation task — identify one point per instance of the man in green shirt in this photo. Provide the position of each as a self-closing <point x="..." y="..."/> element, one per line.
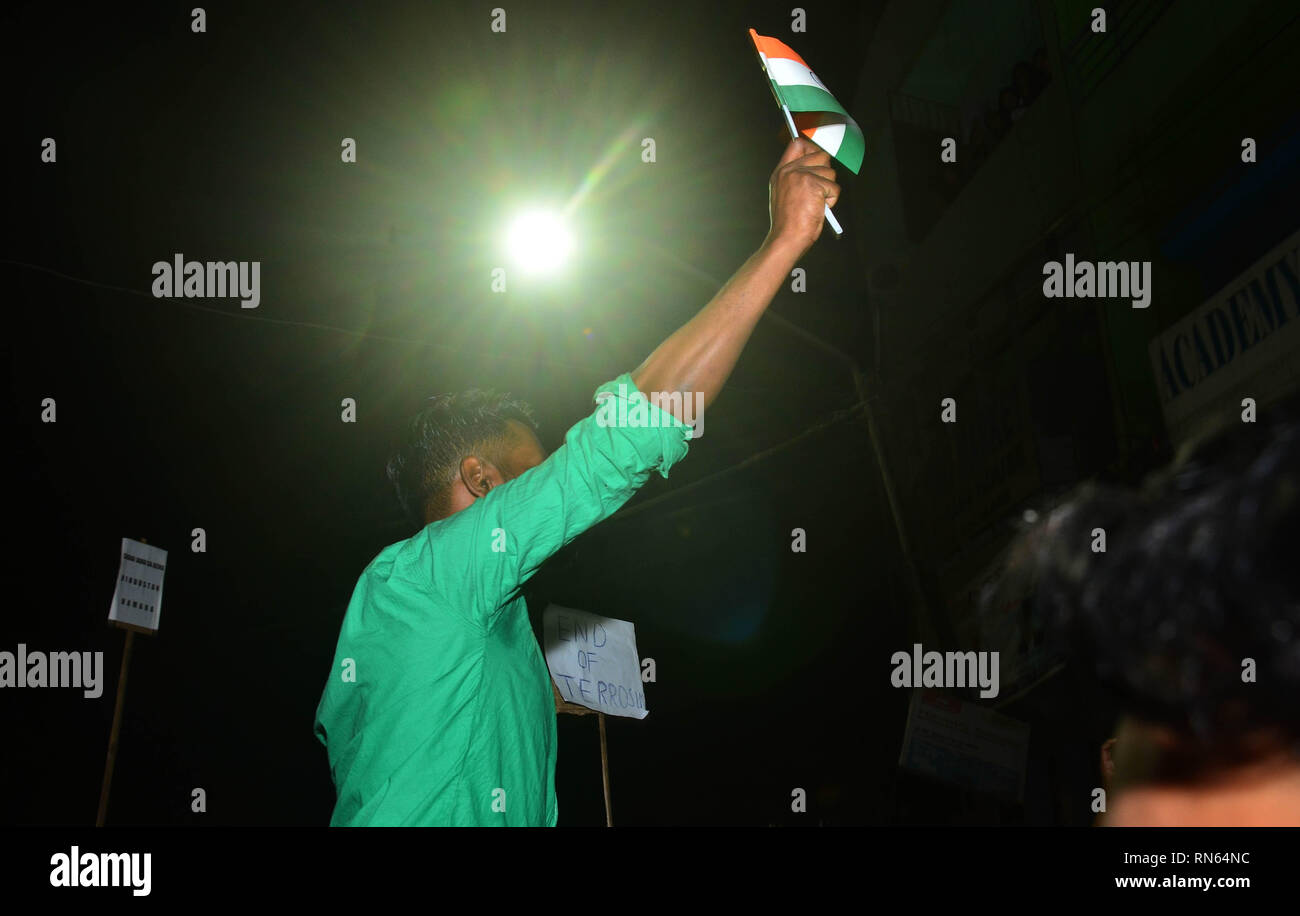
<point x="439" y="709"/>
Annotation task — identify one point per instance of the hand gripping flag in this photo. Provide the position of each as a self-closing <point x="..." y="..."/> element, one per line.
<point x="817" y="115"/>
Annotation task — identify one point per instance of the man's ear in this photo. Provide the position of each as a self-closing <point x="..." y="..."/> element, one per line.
<point x="1108" y="760"/>
<point x="476" y="474"/>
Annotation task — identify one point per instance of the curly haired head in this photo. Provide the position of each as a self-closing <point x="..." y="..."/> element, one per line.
<point x="1199" y="573"/>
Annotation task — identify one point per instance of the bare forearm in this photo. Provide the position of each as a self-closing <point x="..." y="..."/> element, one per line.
<point x="692" y="365"/>
<point x="700" y="355"/>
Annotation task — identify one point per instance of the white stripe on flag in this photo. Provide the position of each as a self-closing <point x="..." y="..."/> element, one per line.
<point x="828" y="137"/>
<point x="787" y="72"/>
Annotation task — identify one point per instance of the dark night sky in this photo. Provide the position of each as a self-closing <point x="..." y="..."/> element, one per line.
<point x="226" y="146"/>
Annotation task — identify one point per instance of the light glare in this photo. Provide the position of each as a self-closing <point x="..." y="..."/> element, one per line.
<point x="539" y="241"/>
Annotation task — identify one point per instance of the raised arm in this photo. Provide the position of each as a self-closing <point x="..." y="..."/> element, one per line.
<point x="700" y="355"/>
<point x="510" y="530"/>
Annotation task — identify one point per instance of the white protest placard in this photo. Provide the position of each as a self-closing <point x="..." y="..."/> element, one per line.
<point x="959" y="742"/>
<point x="137" y="598"/>
<point x="593" y="661"/>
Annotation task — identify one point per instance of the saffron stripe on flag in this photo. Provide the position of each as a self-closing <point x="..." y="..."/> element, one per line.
<point x="772" y="48"/>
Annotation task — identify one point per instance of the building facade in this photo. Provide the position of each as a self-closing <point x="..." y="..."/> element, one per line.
<point x="1172" y="139"/>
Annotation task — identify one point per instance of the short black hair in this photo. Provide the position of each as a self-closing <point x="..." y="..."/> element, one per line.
<point x="447" y="429"/>
<point x="1199" y="573"/>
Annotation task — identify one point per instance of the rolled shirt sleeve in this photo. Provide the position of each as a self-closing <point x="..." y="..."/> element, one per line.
<point x="504" y="537"/>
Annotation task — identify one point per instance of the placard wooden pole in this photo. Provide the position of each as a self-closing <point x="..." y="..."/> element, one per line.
<point x="117" y="728"/>
<point x="131" y="630"/>
<point x="573" y="709"/>
<point x="604" y="772"/>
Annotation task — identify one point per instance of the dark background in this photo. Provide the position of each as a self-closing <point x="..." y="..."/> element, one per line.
<point x="176" y="414"/>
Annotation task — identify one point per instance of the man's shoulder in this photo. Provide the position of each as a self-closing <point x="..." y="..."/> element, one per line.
<point x="414" y="583"/>
<point x="393" y="558"/>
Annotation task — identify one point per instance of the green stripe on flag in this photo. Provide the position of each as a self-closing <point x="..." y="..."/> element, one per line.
<point x="852" y="148"/>
<point x="807" y="98"/>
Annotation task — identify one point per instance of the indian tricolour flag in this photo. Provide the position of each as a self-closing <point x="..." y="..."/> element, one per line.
<point x="815" y="112"/>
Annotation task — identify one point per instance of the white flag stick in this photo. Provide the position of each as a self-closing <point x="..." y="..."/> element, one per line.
<point x="794" y="133"/>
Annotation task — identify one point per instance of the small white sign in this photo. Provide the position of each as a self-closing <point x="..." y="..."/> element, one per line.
<point x="593" y="661"/>
<point x="958" y="742"/>
<point x="137" y="598"/>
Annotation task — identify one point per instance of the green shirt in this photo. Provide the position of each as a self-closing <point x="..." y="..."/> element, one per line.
<point x="439" y="708"/>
